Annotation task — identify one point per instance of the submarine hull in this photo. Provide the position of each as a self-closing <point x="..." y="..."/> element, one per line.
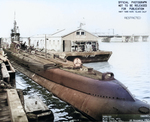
<point x="94" y="98"/>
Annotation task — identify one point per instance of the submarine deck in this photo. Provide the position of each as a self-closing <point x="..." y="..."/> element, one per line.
<point x="66" y="65"/>
<point x="86" y="57"/>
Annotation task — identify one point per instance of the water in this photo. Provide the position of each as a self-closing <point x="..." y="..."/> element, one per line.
<point x="130" y="63"/>
<point x="62" y="111"/>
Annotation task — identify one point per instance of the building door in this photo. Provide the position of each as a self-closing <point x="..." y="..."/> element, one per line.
<point x="66" y="45"/>
<point x="63" y="45"/>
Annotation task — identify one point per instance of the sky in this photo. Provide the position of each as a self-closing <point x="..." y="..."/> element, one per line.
<point x="47" y="16"/>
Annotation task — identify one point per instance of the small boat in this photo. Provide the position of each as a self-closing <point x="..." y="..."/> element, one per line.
<point x="36" y="110"/>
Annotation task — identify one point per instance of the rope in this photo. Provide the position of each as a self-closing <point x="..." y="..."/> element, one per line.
<point x="4" y="84"/>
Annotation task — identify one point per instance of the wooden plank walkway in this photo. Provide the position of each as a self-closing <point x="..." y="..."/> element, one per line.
<point x="4" y="108"/>
<point x="16" y="108"/>
<point x="11" y="109"/>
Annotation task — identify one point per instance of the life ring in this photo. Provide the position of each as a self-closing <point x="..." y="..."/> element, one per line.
<point x="77" y="63"/>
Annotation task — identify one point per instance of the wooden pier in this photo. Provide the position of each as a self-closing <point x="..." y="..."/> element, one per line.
<point x="5" y="115"/>
<point x="16" y="109"/>
<point x="11" y="108"/>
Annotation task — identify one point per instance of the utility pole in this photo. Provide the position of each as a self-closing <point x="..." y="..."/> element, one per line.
<point x="45" y="47"/>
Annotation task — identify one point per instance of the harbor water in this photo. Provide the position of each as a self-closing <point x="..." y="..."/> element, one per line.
<point x="130" y="63"/>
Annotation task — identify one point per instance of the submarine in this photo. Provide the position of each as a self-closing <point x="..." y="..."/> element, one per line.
<point x="96" y="95"/>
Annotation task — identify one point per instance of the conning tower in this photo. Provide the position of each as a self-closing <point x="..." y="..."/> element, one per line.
<point x="15" y="35"/>
<point x="15" y="38"/>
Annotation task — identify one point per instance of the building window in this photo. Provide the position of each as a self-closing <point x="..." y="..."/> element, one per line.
<point x="82" y="33"/>
<point x="77" y="33"/>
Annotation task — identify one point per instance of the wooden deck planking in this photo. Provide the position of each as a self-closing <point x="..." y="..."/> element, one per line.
<point x="4" y="72"/>
<point x="16" y="109"/>
<point x="4" y="108"/>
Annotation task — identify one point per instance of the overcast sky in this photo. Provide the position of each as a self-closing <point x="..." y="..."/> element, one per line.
<point x="46" y="16"/>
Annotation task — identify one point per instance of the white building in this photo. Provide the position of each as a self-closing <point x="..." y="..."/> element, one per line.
<point x="64" y="41"/>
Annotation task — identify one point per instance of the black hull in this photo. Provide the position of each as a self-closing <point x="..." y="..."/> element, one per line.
<point x="89" y="59"/>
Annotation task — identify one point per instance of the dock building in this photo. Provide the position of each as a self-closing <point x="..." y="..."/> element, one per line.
<point x="70" y="45"/>
<point x="66" y="41"/>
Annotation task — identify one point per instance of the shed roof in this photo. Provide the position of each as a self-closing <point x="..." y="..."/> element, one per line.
<point x="65" y="32"/>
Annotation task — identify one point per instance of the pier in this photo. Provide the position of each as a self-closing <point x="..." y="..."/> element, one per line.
<point x="14" y="106"/>
<point x="11" y="108"/>
<point x="16" y="109"/>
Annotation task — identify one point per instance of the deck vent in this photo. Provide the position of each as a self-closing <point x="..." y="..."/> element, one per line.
<point x="108" y="76"/>
<point x="90" y="69"/>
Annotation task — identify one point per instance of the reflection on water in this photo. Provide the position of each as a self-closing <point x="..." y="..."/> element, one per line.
<point x="62" y="111"/>
<point x="129" y="63"/>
